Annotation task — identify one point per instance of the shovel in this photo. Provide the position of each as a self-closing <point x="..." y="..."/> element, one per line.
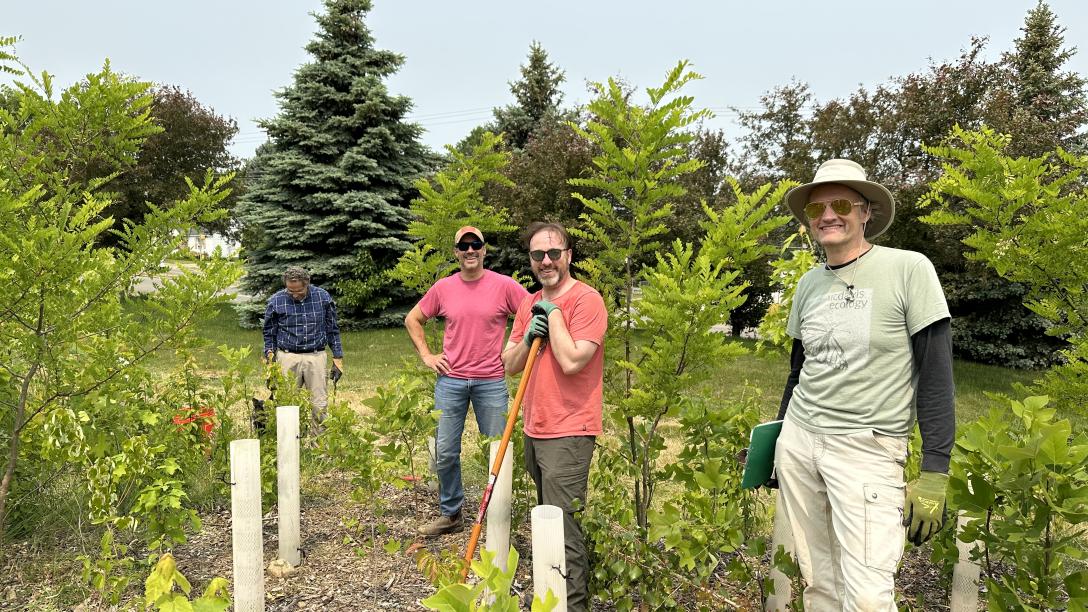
<point x="500" y="453"/>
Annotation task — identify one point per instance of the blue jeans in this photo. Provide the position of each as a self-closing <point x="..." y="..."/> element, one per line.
<point x="489" y="398"/>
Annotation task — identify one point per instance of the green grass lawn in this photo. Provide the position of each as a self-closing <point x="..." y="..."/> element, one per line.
<point x="764" y="373"/>
<point x="973" y="380"/>
<point x="371" y="356"/>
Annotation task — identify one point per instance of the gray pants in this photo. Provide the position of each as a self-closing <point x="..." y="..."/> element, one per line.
<point x="560" y="469"/>
<point x="308" y="370"/>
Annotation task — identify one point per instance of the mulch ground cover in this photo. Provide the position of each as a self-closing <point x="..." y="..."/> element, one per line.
<point x="347" y="565"/>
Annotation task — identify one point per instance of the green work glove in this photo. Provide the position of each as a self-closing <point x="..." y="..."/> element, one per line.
<point x="924" y="512"/>
<point x="544" y="307"/>
<point x="537" y="328"/>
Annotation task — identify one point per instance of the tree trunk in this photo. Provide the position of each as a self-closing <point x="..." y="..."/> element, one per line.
<point x="13" y="449"/>
<point x="9" y="474"/>
<point x="635" y="462"/>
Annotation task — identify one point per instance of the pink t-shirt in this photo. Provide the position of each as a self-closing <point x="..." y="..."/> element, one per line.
<point x="557" y="404"/>
<point x="476" y="313"/>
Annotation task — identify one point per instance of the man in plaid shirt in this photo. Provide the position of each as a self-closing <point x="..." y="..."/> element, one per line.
<point x="299" y="322"/>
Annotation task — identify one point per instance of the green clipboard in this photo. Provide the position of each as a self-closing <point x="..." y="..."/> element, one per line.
<point x="760" y="460"/>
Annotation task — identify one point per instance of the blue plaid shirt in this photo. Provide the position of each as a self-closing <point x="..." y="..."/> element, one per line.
<point x="302" y="326"/>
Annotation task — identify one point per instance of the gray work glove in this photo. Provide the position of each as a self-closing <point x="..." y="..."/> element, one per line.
<point x="537" y="328"/>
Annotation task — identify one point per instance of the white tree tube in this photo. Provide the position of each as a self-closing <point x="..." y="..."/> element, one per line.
<point x="287" y="483"/>
<point x="549" y="554"/>
<point x="964" y="575"/>
<point x="781" y="535"/>
<point x="246" y="526"/>
<point x="432" y="464"/>
<point x="497" y="539"/>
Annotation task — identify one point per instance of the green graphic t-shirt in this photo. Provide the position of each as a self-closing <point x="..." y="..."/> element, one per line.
<point x="859" y="372"/>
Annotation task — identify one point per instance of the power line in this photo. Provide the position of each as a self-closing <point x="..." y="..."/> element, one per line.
<point x="460" y="116"/>
<point x="452" y="121"/>
<point x="467" y="111"/>
<point x="470" y="114"/>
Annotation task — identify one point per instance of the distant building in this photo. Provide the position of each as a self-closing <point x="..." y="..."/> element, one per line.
<point x="203" y="244"/>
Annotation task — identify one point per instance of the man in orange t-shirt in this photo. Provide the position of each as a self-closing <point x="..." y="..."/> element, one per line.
<point x="562" y="403"/>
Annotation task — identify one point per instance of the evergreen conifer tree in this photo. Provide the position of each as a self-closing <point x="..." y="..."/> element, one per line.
<point x="546" y="152"/>
<point x="537" y="97"/>
<point x="536" y="105"/>
<point x="330" y="190"/>
<point x="1051" y="105"/>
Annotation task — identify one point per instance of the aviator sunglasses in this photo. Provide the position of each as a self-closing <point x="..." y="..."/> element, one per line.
<point x="475" y="244"/>
<point x="553" y="254"/>
<point x="814" y="210"/>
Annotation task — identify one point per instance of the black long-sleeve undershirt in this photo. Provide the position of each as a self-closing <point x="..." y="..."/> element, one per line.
<point x="935" y="398"/>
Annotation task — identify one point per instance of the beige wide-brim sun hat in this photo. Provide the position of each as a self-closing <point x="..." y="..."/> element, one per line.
<point x="851" y="174"/>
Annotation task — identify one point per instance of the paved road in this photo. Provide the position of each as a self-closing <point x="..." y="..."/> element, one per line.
<point x="149" y="284"/>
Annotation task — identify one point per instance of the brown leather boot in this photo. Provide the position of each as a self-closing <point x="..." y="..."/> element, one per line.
<point x="443" y="524"/>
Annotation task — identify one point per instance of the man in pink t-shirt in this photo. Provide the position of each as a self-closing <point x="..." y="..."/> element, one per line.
<point x="476" y="304"/>
<point x="563" y="396"/>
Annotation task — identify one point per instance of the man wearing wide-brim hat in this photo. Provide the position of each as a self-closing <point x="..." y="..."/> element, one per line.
<point x="872" y="353"/>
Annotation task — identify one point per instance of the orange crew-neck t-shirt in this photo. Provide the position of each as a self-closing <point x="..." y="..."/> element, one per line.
<point x="557" y="405"/>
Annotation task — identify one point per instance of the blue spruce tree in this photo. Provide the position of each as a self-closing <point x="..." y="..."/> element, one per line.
<point x="330" y="190"/>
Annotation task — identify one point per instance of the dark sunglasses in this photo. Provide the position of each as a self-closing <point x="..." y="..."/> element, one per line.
<point x="553" y="254"/>
<point x="475" y="244"/>
<point x="815" y="210"/>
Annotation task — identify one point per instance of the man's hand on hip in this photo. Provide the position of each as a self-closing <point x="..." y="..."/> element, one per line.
<point x="924" y="513"/>
<point x="438" y="362"/>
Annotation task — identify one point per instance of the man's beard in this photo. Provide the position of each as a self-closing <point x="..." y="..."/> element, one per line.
<point x="551" y="280"/>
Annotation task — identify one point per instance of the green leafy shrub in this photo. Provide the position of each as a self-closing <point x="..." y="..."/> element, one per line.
<point x="1027" y="218"/>
<point x="107" y="573"/>
<point x="85" y="429"/>
<point x="649" y="521"/>
<point x="160" y="584"/>
<point x="402" y="415"/>
<point x="787" y="270"/>
<point x="160" y="506"/>
<point x="348" y="444"/>
<point x="1022" y="481"/>
<point x="492" y="591"/>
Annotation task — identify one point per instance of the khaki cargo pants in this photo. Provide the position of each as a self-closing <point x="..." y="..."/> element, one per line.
<point x="843" y="496"/>
<point x="308" y="369"/>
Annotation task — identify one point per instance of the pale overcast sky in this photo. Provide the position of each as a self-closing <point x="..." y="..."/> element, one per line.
<point x="460" y="56"/>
